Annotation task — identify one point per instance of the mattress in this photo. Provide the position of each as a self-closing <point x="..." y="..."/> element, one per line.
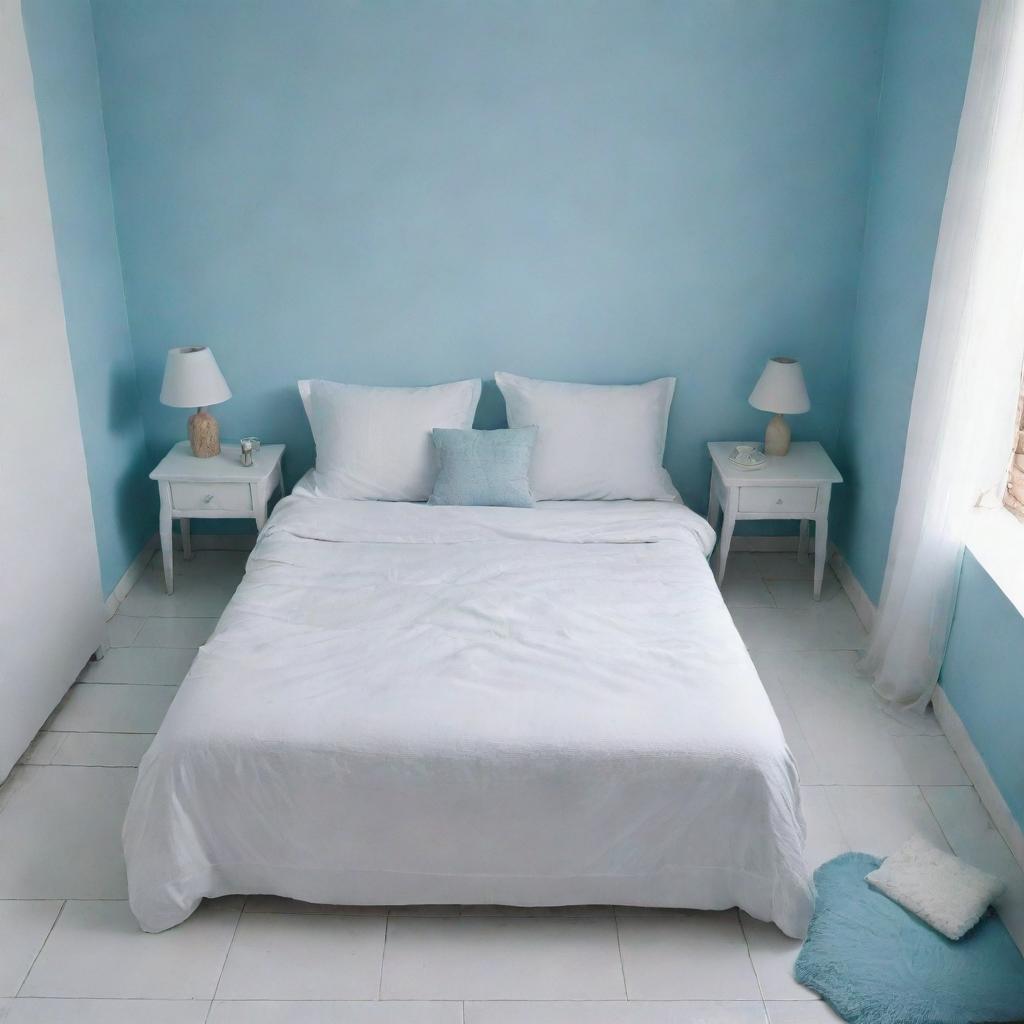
<point x="418" y="704"/>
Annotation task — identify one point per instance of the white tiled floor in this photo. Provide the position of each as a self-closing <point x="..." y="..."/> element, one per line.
<point x="70" y="949"/>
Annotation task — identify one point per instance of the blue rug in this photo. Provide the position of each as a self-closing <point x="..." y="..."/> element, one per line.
<point x="877" y="964"/>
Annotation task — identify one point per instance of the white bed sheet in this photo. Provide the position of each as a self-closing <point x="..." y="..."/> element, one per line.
<point x="421" y="704"/>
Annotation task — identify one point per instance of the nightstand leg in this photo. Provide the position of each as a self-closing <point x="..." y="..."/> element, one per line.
<point x="725" y="538"/>
<point x="166" y="545"/>
<point x="820" y="549"/>
<point x="713" y="506"/>
<point x="805" y="529"/>
<point x="186" y="538"/>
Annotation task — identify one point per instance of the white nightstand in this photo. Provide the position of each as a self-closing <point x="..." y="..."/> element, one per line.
<point x="793" y="486"/>
<point x="216" y="488"/>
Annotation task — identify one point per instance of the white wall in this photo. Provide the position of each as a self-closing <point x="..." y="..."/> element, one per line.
<point x="51" y="611"/>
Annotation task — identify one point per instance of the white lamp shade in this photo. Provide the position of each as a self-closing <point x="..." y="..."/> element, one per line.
<point x="781" y="387"/>
<point x="192" y="378"/>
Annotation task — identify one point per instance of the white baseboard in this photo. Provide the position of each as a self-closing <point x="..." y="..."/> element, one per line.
<point x="764" y="543"/>
<point x="131" y="576"/>
<point x="862" y="604"/>
<point x="977" y="772"/>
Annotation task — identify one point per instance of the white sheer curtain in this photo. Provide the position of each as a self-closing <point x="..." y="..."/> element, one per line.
<point x="965" y="394"/>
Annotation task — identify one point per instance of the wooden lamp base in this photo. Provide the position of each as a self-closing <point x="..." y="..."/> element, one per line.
<point x="777" y="436"/>
<point x="204" y="434"/>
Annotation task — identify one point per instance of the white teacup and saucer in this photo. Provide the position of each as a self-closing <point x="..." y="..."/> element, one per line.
<point x="747" y="456"/>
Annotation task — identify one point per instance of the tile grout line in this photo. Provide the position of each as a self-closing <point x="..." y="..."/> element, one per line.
<point x="622" y="963"/>
<point x="227" y="953"/>
<point x="42" y="946"/>
<point x="753" y="966"/>
<point x="383" y="952"/>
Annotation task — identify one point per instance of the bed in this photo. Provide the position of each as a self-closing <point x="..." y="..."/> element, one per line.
<point x="413" y="704"/>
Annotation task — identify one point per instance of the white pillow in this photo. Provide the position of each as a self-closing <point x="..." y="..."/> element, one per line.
<point x="940" y="889"/>
<point x="374" y="442"/>
<point x="594" y="441"/>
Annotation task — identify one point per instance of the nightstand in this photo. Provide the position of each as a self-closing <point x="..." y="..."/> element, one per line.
<point x="797" y="485"/>
<point x="216" y="488"/>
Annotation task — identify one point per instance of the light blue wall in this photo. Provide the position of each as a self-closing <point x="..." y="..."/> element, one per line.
<point x="409" y="192"/>
<point x="982" y="678"/>
<point x="60" y="38"/>
<point x="927" y="59"/>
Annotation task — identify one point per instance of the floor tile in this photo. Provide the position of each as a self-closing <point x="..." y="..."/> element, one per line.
<point x="194" y="595"/>
<point x="291" y="956"/>
<point x="784" y="565"/>
<point x="123" y="629"/>
<point x="799" y="747"/>
<point x="278" y="1012"/>
<point x="108" y="1011"/>
<point x="283" y="905"/>
<point x="101" y="749"/>
<point x="740" y="563"/>
<point x="502" y="958"/>
<point x="96" y="951"/>
<point x="971" y="834"/>
<point x="879" y="819"/>
<point x="632" y="1012"/>
<point x="746" y="591"/>
<point x="854" y="739"/>
<point x="824" y="836"/>
<point x="24" y="925"/>
<point x="930" y="761"/>
<point x="161" y="631"/>
<point x="773" y="955"/>
<point x="217" y="564"/>
<point x="156" y="665"/>
<point x="800" y="593"/>
<point x="43" y="748"/>
<point x="801" y="1013"/>
<point x="105" y="707"/>
<point x="832" y="625"/>
<point x="690" y="955"/>
<point x="75" y="816"/>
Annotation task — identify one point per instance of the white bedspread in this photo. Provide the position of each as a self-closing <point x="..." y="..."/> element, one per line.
<point x="417" y="704"/>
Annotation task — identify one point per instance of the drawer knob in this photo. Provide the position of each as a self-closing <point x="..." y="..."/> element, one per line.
<point x="207" y="499"/>
<point x="778" y="501"/>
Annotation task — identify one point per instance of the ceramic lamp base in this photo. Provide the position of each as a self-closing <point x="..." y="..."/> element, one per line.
<point x="204" y="434"/>
<point x="777" y="436"/>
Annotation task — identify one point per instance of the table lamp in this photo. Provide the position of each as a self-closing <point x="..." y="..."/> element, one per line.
<point x="781" y="389"/>
<point x="193" y="378"/>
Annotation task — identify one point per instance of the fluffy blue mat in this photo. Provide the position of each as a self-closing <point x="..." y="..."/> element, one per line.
<point x="877" y="964"/>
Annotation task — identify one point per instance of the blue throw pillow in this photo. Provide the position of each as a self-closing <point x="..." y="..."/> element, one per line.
<point x="484" y="467"/>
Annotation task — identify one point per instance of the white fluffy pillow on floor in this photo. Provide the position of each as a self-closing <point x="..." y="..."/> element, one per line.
<point x="940" y="889"/>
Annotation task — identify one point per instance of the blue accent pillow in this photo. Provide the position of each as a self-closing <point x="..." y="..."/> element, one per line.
<point x="484" y="467"/>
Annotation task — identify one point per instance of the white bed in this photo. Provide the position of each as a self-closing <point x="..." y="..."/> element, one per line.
<point x="417" y="704"/>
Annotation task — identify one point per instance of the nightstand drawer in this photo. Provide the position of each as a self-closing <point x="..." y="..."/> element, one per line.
<point x="221" y="497"/>
<point x="778" y="499"/>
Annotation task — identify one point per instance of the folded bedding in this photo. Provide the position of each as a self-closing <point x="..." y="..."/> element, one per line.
<point x="406" y="703"/>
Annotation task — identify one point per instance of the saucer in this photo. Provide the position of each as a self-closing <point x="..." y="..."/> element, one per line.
<point x="747" y="457"/>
